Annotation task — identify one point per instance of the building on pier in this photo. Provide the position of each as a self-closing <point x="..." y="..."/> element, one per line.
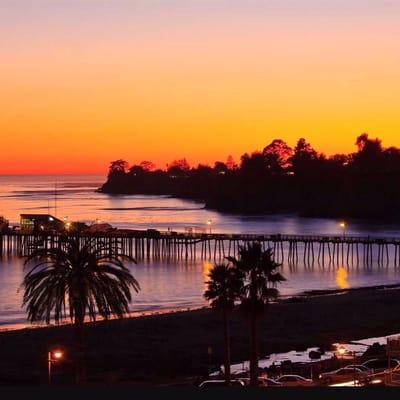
<point x="3" y="224"/>
<point x="41" y="223"/>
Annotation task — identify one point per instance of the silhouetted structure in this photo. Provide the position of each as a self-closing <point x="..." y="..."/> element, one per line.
<point x="152" y="244"/>
<point x="40" y="222"/>
<point x="4" y="224"/>
<point x="279" y="179"/>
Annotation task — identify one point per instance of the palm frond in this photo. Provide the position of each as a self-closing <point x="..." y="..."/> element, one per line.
<point x="260" y="274"/>
<point x="223" y="287"/>
<point x="74" y="280"/>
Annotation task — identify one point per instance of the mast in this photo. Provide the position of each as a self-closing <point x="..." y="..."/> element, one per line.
<point x="55" y="198"/>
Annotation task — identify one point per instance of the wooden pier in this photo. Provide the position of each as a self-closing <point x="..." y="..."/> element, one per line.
<point x="291" y="249"/>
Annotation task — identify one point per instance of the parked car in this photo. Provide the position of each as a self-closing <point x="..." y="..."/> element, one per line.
<point x="380" y="364"/>
<point x="345" y="374"/>
<point x="262" y="382"/>
<point x="272" y="382"/>
<point x="221" y="383"/>
<point x="361" y="367"/>
<point x="294" y="380"/>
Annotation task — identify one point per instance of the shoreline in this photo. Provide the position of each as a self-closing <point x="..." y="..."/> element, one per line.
<point x="131" y="315"/>
<point x="171" y="311"/>
<point x="263" y="212"/>
<point x="328" y="292"/>
<point x="167" y="347"/>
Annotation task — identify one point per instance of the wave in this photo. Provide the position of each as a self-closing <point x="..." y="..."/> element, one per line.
<point x="48" y="192"/>
<point x="152" y="208"/>
<point x="37" y="208"/>
<point x="138" y="196"/>
<point x="11" y="196"/>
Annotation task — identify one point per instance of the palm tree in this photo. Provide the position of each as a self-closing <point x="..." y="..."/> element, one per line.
<point x="223" y="289"/>
<point x="76" y="280"/>
<point x="261" y="279"/>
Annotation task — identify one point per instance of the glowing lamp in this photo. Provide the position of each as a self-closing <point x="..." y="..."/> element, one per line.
<point x="57" y="354"/>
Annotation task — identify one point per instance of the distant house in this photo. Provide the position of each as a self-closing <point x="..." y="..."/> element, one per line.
<point x="40" y="222"/>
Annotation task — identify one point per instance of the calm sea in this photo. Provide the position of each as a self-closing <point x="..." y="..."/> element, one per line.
<point x="169" y="285"/>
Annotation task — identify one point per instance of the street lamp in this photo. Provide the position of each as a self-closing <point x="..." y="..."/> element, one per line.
<point x="354" y="368"/>
<point x="209" y="222"/>
<point x="343" y="226"/>
<point x="53" y="357"/>
<point x="341" y="350"/>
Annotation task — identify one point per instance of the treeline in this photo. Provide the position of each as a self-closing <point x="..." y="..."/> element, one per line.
<point x="279" y="179"/>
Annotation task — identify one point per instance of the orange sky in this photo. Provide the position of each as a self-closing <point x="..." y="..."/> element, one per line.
<point x="84" y="82"/>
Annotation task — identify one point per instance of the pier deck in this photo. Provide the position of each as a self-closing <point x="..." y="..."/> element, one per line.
<point x="151" y="244"/>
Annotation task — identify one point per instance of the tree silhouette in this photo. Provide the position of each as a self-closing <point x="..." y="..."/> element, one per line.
<point x="362" y="184"/>
<point x="253" y="165"/>
<point x="75" y="281"/>
<point x="278" y="156"/>
<point x="117" y="167"/>
<point x="178" y="168"/>
<point x="148" y="166"/>
<point x="303" y="157"/>
<point x="370" y="154"/>
<point x="260" y="286"/>
<point x="223" y="290"/>
<point x="221" y="168"/>
<point x="230" y="163"/>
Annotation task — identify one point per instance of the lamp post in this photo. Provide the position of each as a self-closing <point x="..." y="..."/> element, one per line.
<point x="209" y="222"/>
<point x="343" y="227"/>
<point x="52" y="357"/>
<point x="354" y="368"/>
<point x="209" y="352"/>
<point x="342" y="351"/>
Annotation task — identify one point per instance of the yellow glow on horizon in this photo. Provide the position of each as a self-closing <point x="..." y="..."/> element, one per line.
<point x="203" y="88"/>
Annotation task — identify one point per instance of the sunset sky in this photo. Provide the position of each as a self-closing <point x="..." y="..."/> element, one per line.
<point x="83" y="82"/>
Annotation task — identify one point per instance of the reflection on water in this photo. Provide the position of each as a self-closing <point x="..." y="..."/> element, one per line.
<point x="341" y="278"/>
<point x="173" y="284"/>
<point x="207" y="266"/>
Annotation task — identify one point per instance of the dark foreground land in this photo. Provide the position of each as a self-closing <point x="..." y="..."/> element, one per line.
<point x="166" y="348"/>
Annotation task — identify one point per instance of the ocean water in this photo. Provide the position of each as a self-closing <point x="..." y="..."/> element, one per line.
<point x="170" y="285"/>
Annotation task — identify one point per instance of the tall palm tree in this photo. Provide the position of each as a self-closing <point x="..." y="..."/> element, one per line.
<point x="223" y="289"/>
<point x="261" y="279"/>
<point x="75" y="280"/>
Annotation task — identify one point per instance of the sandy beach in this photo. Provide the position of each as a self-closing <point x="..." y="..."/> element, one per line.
<point x="170" y="347"/>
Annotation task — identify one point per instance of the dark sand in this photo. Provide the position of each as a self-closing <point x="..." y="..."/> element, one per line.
<point x="164" y="348"/>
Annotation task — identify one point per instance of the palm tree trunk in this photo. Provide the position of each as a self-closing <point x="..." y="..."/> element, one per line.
<point x="79" y="355"/>
<point x="227" y="348"/>
<point x="254" y="350"/>
<point x="253" y="331"/>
